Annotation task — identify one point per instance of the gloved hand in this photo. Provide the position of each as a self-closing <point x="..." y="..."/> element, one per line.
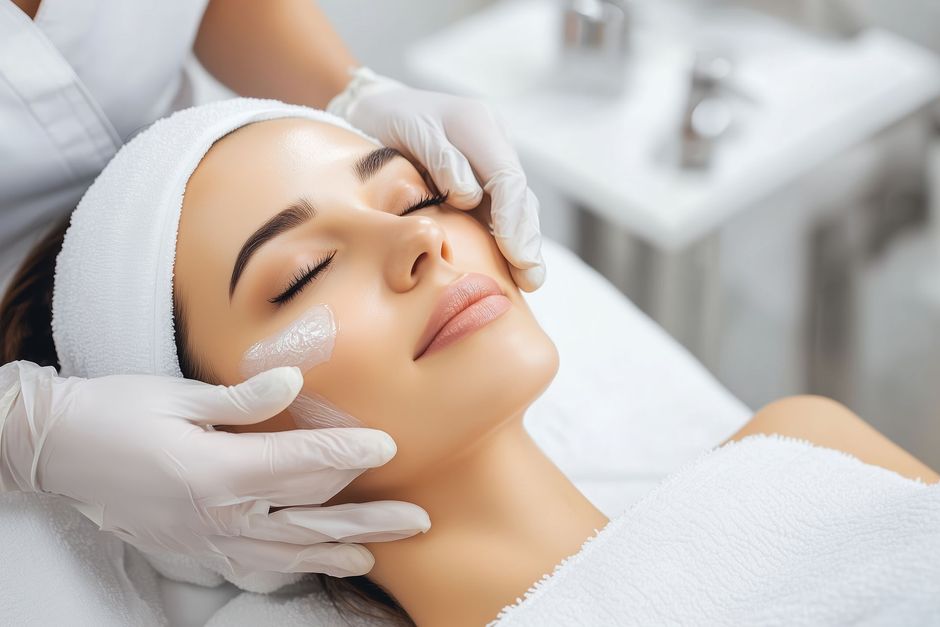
<point x="452" y="137"/>
<point x="137" y="455"/>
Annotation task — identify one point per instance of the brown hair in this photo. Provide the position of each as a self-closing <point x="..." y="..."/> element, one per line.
<point x="26" y="308"/>
<point x="26" y="334"/>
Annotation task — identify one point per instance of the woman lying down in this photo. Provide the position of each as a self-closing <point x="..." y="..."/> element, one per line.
<point x="298" y="238"/>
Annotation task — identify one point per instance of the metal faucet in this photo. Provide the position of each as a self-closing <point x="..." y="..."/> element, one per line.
<point x="595" y="45"/>
<point x="707" y="114"/>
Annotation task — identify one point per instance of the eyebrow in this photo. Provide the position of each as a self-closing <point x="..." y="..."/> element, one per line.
<point x="374" y="161"/>
<point x="297" y="213"/>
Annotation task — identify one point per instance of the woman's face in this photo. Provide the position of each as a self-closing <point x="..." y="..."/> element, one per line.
<point x="385" y="277"/>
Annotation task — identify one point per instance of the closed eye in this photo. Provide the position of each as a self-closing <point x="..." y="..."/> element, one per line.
<point x="300" y="281"/>
<point x="429" y="200"/>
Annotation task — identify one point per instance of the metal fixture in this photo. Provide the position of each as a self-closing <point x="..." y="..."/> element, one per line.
<point x="595" y="45"/>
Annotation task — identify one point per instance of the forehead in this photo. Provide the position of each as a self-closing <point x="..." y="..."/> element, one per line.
<point x="271" y="162"/>
<point x="281" y="144"/>
<point x="254" y="172"/>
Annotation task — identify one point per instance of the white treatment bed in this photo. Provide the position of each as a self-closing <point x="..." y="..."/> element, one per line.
<point x="628" y="407"/>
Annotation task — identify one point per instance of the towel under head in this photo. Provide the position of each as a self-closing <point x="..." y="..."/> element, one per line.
<point x="112" y="304"/>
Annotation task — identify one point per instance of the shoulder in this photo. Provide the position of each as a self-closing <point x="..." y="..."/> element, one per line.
<point x="828" y="423"/>
<point x="814" y="418"/>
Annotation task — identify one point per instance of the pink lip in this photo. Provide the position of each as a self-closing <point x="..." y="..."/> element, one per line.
<point x="467" y="304"/>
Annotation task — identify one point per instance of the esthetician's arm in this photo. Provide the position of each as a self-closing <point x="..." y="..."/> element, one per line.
<point x="283" y="49"/>
<point x="286" y="49"/>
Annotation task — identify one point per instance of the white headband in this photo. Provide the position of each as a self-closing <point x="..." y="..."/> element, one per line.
<point x="112" y="304"/>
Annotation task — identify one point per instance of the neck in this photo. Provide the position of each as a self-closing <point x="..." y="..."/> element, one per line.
<point x="502" y="515"/>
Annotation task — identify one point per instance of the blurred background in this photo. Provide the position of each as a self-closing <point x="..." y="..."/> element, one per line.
<point x="761" y="177"/>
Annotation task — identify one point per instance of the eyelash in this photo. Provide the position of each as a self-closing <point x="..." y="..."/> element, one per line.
<point x="310" y="272"/>
<point x="300" y="280"/>
<point x="429" y="200"/>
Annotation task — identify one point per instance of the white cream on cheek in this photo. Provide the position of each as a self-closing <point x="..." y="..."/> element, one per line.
<point x="305" y="343"/>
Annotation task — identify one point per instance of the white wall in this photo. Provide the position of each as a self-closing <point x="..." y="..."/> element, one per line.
<point x="918" y="20"/>
<point x="378" y="31"/>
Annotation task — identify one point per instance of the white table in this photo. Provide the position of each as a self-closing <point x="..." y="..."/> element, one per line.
<point x="808" y="101"/>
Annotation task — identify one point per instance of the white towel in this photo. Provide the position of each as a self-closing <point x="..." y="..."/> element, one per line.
<point x="766" y="531"/>
<point x="59" y="569"/>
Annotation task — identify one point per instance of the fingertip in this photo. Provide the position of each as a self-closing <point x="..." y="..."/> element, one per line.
<point x="410" y="520"/>
<point x="357" y="559"/>
<point x="465" y="196"/>
<point x="385" y="445"/>
<point x="537" y="276"/>
<point x="280" y="385"/>
<point x="280" y="381"/>
<point x="529" y="279"/>
<point x="294" y="379"/>
<point x="345" y="560"/>
<point x="425" y="521"/>
<point x="363" y="447"/>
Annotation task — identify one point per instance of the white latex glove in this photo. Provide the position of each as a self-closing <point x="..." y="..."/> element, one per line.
<point x="452" y="138"/>
<point x="137" y="455"/>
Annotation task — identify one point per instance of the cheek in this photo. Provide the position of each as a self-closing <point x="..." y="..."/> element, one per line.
<point x="366" y="375"/>
<point x="372" y="378"/>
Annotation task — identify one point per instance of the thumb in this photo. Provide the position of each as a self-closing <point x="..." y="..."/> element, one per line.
<point x="255" y="400"/>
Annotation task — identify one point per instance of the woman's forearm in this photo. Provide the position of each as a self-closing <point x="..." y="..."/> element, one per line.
<point x="284" y="49"/>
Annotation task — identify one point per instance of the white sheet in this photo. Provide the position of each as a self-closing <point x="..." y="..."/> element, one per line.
<point x="628" y="407"/>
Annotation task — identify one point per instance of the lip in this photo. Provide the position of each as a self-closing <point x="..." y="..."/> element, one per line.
<point x="469" y="303"/>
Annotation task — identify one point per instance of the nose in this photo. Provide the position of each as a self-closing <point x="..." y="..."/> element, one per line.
<point x="419" y="244"/>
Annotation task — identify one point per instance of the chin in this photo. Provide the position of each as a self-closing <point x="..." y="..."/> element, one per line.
<point x="526" y="365"/>
<point x="500" y="371"/>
